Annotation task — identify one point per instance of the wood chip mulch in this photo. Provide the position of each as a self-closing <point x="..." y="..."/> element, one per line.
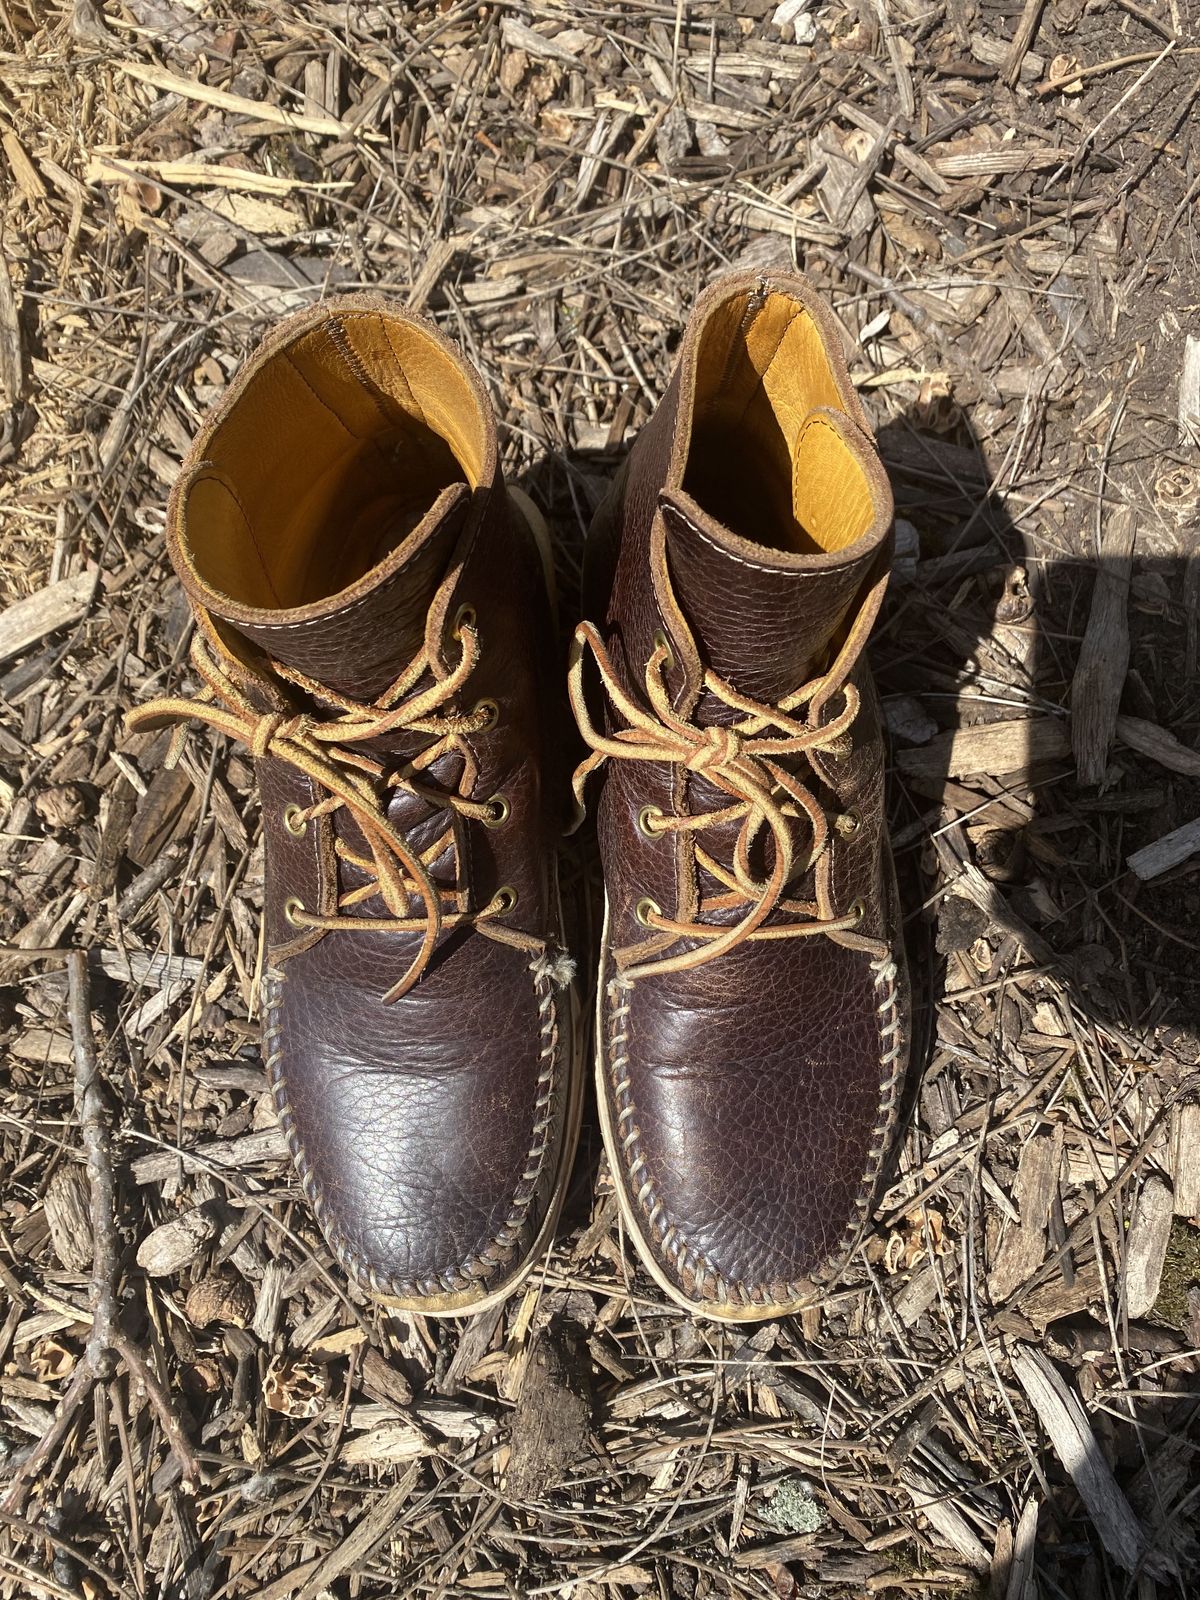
<point x="1000" y="202"/>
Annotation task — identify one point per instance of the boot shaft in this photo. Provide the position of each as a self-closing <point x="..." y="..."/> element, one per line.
<point x="754" y="499"/>
<point x="323" y="501"/>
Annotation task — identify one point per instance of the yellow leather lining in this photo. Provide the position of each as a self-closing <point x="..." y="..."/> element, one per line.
<point x="331" y="454"/>
<point x="760" y="460"/>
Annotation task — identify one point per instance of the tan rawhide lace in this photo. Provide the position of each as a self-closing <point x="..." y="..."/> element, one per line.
<point x="323" y="749"/>
<point x="744" y="761"/>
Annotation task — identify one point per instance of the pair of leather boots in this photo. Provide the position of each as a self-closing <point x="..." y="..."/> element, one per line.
<point x="373" y="619"/>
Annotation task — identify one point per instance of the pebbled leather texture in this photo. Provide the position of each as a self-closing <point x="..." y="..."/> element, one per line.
<point x="431" y="1133"/>
<point x="748" y="1102"/>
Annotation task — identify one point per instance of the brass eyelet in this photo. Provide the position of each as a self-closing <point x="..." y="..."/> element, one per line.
<point x="848" y="824"/>
<point x="646" y="908"/>
<point x="506" y="899"/>
<point x="291" y="907"/>
<point x="491" y="714"/>
<point x="661" y="642"/>
<point x="858" y="911"/>
<point x="497" y="812"/>
<point x="295" y="821"/>
<point x="645" y="822"/>
<point x="464" y="617"/>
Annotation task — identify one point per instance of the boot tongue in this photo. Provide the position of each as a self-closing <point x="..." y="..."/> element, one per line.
<point x="762" y="618"/>
<point x="358" y="641"/>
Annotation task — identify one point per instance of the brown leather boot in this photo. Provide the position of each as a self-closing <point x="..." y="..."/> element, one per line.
<point x="372" y="621"/>
<point x="753" y="1012"/>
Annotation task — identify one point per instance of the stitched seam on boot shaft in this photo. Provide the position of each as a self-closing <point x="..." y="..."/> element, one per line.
<point x="478" y="1267"/>
<point x="745" y="561"/>
<point x="672" y="1239"/>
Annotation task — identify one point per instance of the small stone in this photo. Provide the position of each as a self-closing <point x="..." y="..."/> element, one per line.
<point x="908" y="719"/>
<point x="710" y="142"/>
<point x="906" y="553"/>
<point x="175" y="1243"/>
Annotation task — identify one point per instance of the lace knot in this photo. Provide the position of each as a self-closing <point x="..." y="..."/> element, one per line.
<point x="721" y="747"/>
<point x="276" y="725"/>
<point x="764" y="796"/>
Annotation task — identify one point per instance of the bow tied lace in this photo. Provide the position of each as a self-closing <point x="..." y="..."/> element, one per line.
<point x="325" y="750"/>
<point x="745" y="760"/>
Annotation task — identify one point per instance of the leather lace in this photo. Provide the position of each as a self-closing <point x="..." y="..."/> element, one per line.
<point x="325" y="750"/>
<point x="745" y="760"/>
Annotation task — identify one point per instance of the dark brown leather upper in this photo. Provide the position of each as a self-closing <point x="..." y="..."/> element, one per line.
<point x="749" y="1099"/>
<point x="428" y="1131"/>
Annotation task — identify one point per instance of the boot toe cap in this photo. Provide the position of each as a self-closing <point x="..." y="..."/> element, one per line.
<point x="750" y="1118"/>
<point x="427" y="1134"/>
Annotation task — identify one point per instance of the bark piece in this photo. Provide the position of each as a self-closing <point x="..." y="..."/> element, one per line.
<point x="851" y="210"/>
<point x="358" y="1544"/>
<point x="552" y="1422"/>
<point x="758" y="1557"/>
<point x="1152" y="860"/>
<point x="1185" y="1158"/>
<point x="244" y="1151"/>
<point x="1146" y="1247"/>
<point x="1057" y="1299"/>
<point x="1076" y="1446"/>
<point x="993" y="747"/>
<point x="1022" y="1248"/>
<point x="223" y="1298"/>
<point x="1022" y="1584"/>
<point x="270" y="1300"/>
<point x="167" y="810"/>
<point x="1189" y="392"/>
<point x="12" y="366"/>
<point x="386" y="1444"/>
<point x="1148" y="739"/>
<point x="51" y="608"/>
<point x="942" y="1515"/>
<point x="1022" y="39"/>
<point x="916" y="1297"/>
<point x="66" y="1208"/>
<point x="383" y="1382"/>
<point x="1104" y="654"/>
<point x="172" y="1245"/>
